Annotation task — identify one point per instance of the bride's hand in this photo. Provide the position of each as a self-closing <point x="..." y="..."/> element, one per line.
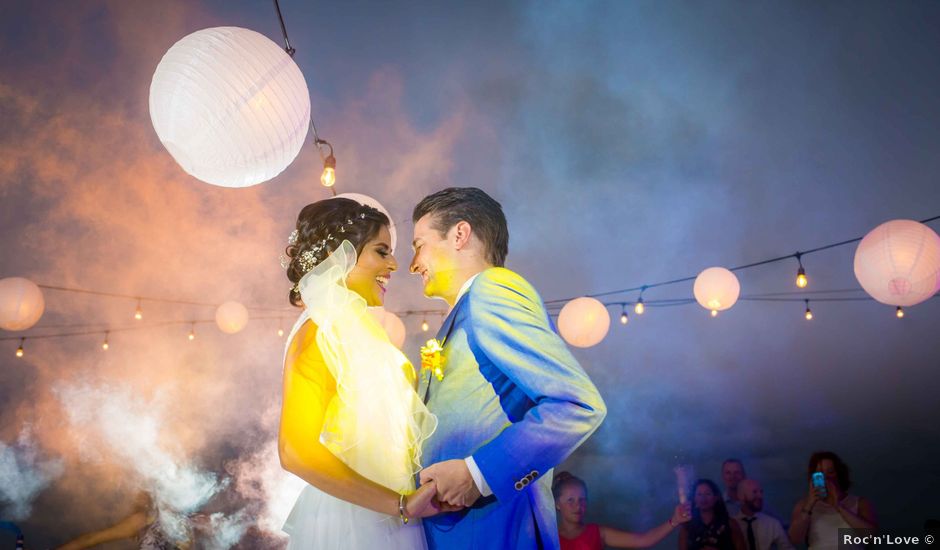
<point x="422" y="503"/>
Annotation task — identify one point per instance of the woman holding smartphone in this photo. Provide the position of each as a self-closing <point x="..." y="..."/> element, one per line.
<point x="828" y="506"/>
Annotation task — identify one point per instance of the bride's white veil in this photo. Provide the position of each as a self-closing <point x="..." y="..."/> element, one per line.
<point x="376" y="422"/>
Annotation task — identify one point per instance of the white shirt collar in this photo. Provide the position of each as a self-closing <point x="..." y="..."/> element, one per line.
<point x="465" y="287"/>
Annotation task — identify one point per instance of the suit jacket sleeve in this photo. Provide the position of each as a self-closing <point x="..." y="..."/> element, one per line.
<point x="510" y="327"/>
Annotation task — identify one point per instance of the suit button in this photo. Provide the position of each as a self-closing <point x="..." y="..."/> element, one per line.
<point x="526" y="481"/>
<point x="534" y="473"/>
<point x="519" y="486"/>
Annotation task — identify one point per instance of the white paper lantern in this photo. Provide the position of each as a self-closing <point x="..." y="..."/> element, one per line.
<point x="369" y="201"/>
<point x="898" y="263"/>
<point x="21" y="303"/>
<point x="583" y="322"/>
<point x="716" y="289"/>
<point x="231" y="317"/>
<point x="392" y="324"/>
<point x="230" y="106"/>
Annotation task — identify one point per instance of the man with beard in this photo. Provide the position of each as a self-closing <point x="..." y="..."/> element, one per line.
<point x="761" y="531"/>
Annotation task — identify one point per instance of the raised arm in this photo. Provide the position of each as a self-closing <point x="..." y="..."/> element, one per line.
<point x="802" y="516"/>
<point x="511" y="328"/>
<point x="616" y="538"/>
<point x="126" y="528"/>
<point x="308" y="389"/>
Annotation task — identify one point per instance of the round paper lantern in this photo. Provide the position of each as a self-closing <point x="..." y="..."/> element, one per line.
<point x="583" y="322"/>
<point x="21" y="303"/>
<point x="369" y="201"/>
<point x="231" y="317"/>
<point x="392" y="324"/>
<point x="716" y="289"/>
<point x="898" y="263"/>
<point x="230" y="106"/>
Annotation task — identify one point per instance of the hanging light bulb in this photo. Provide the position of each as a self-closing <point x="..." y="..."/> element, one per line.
<point x="19" y="350"/>
<point x="801" y="280"/>
<point x="192" y="332"/>
<point x="639" y="308"/>
<point x="809" y="312"/>
<point x="623" y="315"/>
<point x="105" y="345"/>
<point x="280" y="328"/>
<point x="328" y="177"/>
<point x="714" y="313"/>
<point x="900" y="312"/>
<point x="139" y="314"/>
<point x="424" y="325"/>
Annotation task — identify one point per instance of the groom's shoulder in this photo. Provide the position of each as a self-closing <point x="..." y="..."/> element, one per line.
<point x="500" y="279"/>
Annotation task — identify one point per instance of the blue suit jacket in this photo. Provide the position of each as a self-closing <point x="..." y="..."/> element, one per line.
<point x="515" y="399"/>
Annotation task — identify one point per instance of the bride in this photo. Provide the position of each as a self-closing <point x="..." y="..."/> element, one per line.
<point x="351" y="422"/>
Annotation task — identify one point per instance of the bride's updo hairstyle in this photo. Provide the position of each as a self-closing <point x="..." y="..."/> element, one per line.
<point x="321" y="228"/>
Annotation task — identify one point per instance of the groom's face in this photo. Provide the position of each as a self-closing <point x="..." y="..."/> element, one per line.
<point x="434" y="259"/>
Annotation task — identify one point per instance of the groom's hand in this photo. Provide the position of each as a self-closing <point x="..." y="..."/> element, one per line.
<point x="455" y="485"/>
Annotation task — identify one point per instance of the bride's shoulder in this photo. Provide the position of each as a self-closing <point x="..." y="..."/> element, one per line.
<point x="303" y="349"/>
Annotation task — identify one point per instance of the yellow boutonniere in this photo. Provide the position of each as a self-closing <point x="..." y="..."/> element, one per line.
<point x="431" y="358"/>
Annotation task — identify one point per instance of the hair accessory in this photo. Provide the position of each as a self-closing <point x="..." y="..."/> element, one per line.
<point x="308" y="259"/>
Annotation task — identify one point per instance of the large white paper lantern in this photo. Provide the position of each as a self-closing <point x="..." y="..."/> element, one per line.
<point x="231" y="317"/>
<point x="898" y="263"/>
<point x="583" y="322"/>
<point x="392" y="324"/>
<point x="369" y="201"/>
<point x="21" y="303"/>
<point x="230" y="106"/>
<point x="716" y="289"/>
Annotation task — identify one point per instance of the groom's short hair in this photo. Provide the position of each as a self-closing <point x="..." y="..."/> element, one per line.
<point x="455" y="204"/>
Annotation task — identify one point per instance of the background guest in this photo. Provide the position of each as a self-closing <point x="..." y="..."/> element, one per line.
<point x="570" y="495"/>
<point x="732" y="472"/>
<point x="818" y="517"/>
<point x="140" y="525"/>
<point x="710" y="528"/>
<point x="761" y="531"/>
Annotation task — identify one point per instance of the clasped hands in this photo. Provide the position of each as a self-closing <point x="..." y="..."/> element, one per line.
<point x="445" y="487"/>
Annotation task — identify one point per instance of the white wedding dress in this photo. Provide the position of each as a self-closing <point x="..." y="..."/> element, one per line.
<point x="375" y="423"/>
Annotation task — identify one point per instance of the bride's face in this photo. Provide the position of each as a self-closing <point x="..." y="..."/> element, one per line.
<point x="369" y="278"/>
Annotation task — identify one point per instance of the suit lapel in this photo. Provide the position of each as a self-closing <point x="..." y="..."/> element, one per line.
<point x="442" y="336"/>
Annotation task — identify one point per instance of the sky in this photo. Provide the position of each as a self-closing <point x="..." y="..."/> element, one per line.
<point x="628" y="142"/>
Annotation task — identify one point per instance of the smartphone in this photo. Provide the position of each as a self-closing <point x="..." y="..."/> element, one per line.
<point x="819" y="481"/>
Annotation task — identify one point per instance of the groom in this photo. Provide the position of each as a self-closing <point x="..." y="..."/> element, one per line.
<point x="513" y="401"/>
